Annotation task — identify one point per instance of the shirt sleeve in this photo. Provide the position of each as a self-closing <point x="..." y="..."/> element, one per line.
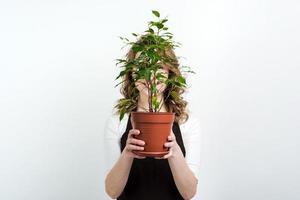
<point x="192" y="144"/>
<point x="111" y="142"/>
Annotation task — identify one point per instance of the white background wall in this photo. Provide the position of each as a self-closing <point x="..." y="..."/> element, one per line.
<point x="57" y="88"/>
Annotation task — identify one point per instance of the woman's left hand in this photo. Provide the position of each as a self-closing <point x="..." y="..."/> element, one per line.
<point x="174" y="148"/>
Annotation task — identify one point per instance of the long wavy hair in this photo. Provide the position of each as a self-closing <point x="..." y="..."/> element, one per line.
<point x="176" y="105"/>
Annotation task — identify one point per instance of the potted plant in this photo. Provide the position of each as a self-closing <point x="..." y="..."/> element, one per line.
<point x="151" y="51"/>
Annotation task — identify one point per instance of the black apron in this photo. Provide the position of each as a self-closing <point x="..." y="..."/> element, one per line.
<point x="150" y="178"/>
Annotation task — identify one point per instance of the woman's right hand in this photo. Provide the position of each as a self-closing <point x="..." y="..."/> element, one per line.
<point x="134" y="144"/>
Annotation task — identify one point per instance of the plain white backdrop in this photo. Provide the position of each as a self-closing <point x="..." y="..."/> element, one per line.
<point x="57" y="75"/>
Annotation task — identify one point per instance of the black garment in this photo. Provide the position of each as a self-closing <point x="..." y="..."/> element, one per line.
<point x="150" y="178"/>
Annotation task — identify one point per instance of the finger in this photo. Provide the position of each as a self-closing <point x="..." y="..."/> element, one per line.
<point x="165" y="156"/>
<point x="133" y="132"/>
<point x="171" y="137"/>
<point x="168" y="155"/>
<point x="139" y="157"/>
<point x="169" y="144"/>
<point x="135" y="141"/>
<point x="134" y="147"/>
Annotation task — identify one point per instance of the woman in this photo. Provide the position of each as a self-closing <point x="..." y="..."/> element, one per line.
<point x="175" y="175"/>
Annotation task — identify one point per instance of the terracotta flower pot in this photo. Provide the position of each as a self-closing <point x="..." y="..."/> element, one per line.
<point x="155" y="127"/>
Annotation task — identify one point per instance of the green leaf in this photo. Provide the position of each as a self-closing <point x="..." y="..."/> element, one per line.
<point x="147" y="74"/>
<point x="156" y="13"/>
<point x="155" y="103"/>
<point x="181" y="80"/>
<point x="159" y="25"/>
<point x="164" y="20"/>
<point x="122" y="113"/>
<point x="119" y="61"/>
<point x="122" y="73"/>
<point x="150" y="30"/>
<point x="178" y="84"/>
<point x="174" y="95"/>
<point x="188" y="69"/>
<point x="120" y="83"/>
<point x="122" y="38"/>
<point x="153" y="88"/>
<point x="154" y="98"/>
<point x="160" y="76"/>
<point x="137" y="48"/>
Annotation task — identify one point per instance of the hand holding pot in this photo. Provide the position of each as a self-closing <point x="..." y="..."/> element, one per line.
<point x="134" y="144"/>
<point x="173" y="147"/>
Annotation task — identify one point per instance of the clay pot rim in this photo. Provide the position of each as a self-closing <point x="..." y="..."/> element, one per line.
<point x="153" y="113"/>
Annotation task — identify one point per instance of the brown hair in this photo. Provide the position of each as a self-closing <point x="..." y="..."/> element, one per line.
<point x="178" y="105"/>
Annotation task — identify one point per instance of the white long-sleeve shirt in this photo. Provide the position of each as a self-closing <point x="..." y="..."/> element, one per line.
<point x="190" y="131"/>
